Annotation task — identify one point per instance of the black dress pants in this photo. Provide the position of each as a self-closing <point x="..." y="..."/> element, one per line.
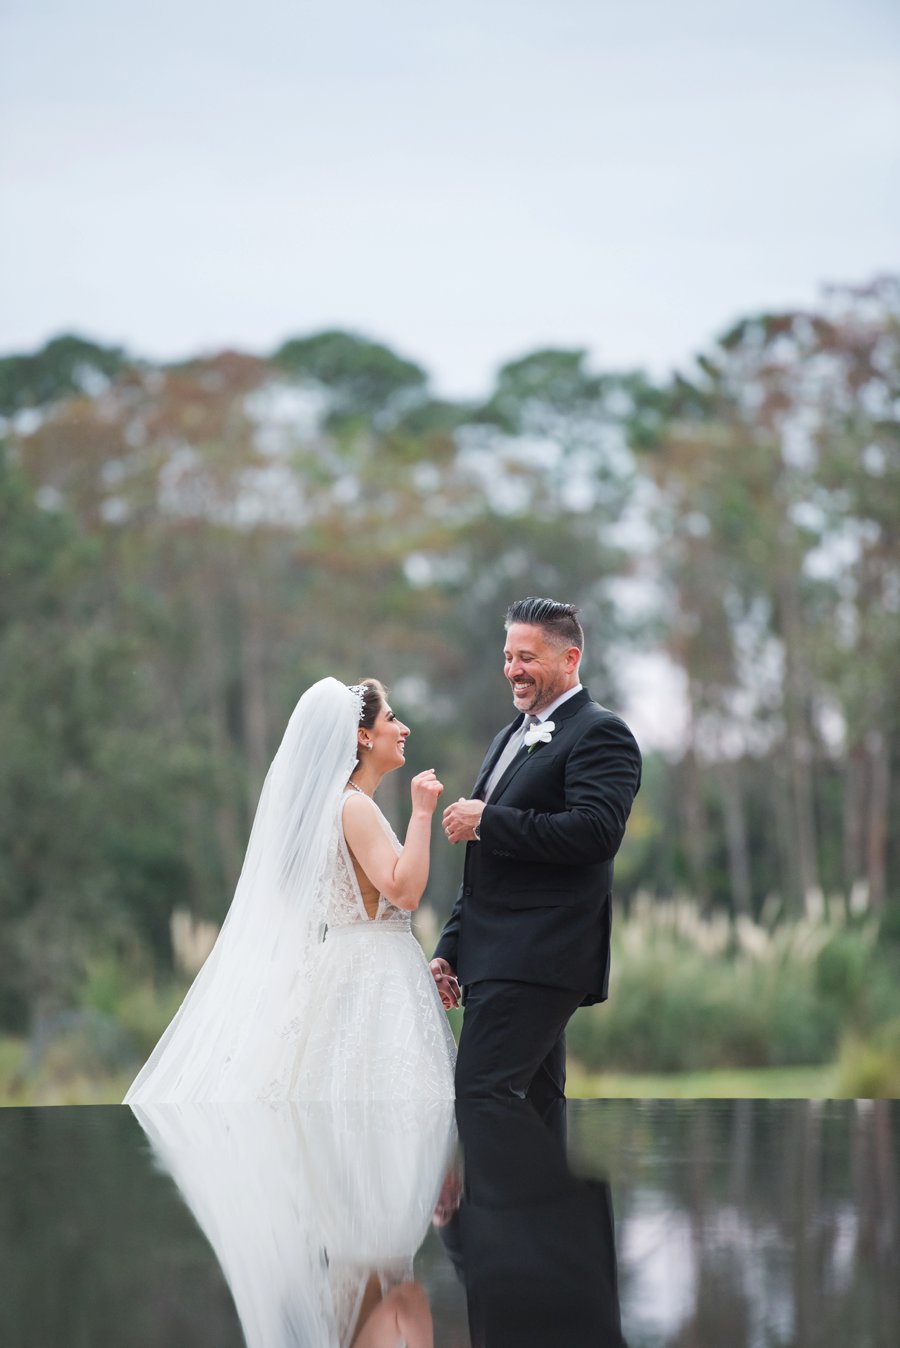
<point x="513" y="1042"/>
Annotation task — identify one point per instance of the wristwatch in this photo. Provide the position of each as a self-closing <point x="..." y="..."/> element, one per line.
<point x="476" y="829"/>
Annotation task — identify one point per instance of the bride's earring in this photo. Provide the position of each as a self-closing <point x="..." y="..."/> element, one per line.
<point x="370" y="745"/>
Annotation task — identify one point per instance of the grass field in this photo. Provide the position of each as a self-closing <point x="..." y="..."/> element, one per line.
<point x="776" y="1083"/>
<point x="769" y="1083"/>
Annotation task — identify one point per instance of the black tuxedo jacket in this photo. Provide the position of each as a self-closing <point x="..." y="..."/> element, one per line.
<point x="534" y="903"/>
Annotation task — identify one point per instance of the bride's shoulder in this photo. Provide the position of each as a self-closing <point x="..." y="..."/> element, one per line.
<point x="356" y="805"/>
<point x="362" y="818"/>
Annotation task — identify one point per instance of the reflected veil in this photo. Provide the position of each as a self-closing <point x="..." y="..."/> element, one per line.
<point x="312" y="1210"/>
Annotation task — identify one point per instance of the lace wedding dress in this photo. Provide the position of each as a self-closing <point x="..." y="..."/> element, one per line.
<point x="375" y="1028"/>
<point x="304" y="997"/>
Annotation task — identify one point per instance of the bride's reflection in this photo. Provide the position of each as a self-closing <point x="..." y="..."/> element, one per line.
<point x="315" y="1212"/>
<point x="533" y="1244"/>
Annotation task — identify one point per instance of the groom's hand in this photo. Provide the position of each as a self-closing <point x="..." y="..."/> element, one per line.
<point x="461" y="818"/>
<point x="448" y="1199"/>
<point x="447" y="983"/>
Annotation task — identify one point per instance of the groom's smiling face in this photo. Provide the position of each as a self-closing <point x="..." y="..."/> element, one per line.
<point x="537" y="670"/>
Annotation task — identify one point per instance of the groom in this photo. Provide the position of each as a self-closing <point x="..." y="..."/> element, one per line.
<point x="528" y="938"/>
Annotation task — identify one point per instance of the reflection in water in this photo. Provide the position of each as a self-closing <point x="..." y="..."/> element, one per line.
<point x="314" y="1211"/>
<point x="747" y="1223"/>
<point x="533" y="1244"/>
<point x="752" y="1222"/>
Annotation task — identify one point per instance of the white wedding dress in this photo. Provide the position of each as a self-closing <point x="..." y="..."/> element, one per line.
<point x="304" y="996"/>
<point x="375" y="1028"/>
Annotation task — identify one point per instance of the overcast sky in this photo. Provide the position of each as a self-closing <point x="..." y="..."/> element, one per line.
<point x="466" y="182"/>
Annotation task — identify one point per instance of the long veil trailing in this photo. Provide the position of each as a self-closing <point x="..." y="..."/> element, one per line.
<point x="231" y="1038"/>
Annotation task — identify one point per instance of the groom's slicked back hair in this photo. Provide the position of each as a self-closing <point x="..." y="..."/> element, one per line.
<point x="559" y="621"/>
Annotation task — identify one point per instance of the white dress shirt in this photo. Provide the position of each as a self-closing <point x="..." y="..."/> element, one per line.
<point x="546" y="713"/>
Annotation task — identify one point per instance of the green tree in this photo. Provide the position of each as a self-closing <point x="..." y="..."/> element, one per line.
<point x="92" y="847"/>
<point x="778" y="511"/>
<point x="362" y="380"/>
<point x="66" y="365"/>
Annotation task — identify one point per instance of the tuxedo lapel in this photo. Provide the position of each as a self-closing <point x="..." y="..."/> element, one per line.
<point x="492" y="755"/>
<point x="559" y="718"/>
<point x="570" y="707"/>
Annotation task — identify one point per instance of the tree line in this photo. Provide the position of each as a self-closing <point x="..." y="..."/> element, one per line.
<point x="186" y="546"/>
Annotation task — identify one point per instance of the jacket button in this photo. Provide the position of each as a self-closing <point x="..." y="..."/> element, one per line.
<point x="467" y="889"/>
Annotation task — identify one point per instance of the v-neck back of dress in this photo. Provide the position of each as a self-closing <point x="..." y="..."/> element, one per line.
<point x="346" y="907"/>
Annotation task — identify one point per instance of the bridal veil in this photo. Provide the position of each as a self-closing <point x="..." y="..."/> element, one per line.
<point x="231" y="1038"/>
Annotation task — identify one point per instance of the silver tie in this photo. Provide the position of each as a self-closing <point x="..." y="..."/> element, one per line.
<point x="512" y="747"/>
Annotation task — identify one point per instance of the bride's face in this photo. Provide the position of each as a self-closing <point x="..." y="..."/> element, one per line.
<point x="388" y="738"/>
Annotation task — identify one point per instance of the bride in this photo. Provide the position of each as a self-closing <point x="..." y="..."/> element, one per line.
<point x="316" y="988"/>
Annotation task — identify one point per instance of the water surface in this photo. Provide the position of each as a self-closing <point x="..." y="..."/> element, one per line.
<point x="704" y="1223"/>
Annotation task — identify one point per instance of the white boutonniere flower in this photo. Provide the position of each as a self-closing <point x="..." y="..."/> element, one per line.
<point x="539" y="734"/>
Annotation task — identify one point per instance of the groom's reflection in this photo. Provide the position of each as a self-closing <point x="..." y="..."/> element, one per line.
<point x="533" y="1244"/>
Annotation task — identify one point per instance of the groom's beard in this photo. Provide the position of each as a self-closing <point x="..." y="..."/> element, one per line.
<point x="541" y="698"/>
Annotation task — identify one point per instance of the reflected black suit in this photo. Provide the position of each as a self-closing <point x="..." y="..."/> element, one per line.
<point x="529" y="934"/>
<point x="533" y="1245"/>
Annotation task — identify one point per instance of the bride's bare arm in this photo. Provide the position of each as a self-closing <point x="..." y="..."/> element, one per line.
<point x="402" y="878"/>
